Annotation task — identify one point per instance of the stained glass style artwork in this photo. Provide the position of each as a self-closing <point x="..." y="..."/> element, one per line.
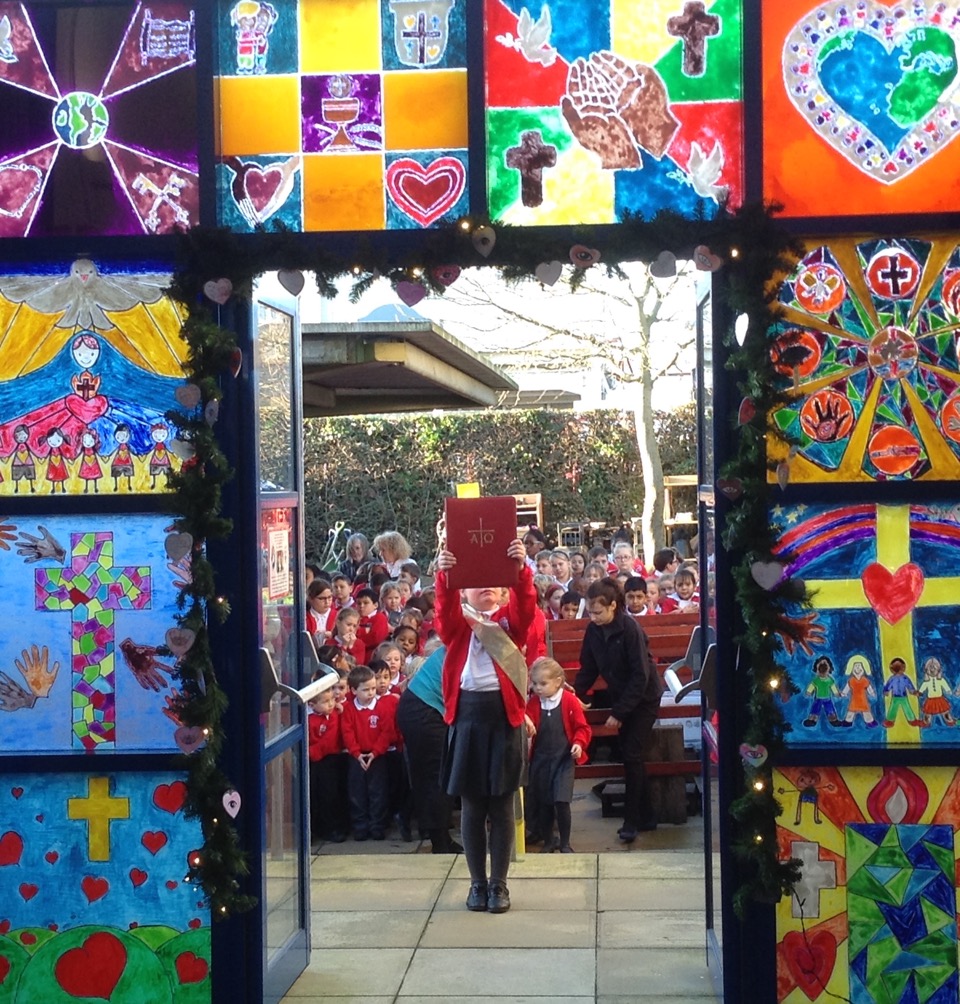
<point x="90" y="363"/>
<point x="341" y="114"/>
<point x="860" y="106"/>
<point x="634" y="108"/>
<point x="874" y="916"/>
<point x="867" y="351"/>
<point x="94" y="906"/>
<point x="93" y="598"/>
<point x="100" y="134"/>
<point x="877" y="659"/>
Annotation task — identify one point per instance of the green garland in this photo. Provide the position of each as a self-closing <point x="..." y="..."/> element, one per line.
<point x="754" y="250"/>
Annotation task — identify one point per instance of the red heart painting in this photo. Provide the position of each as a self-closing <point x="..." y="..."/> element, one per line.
<point x="94" y="969"/>
<point x="426" y="193"/>
<point x="170" y="797"/>
<point x="4" y="968"/>
<point x="28" y="890"/>
<point x="52" y="857"/>
<point x="190" y="968"/>
<point x="261" y="186"/>
<point x="892" y="594"/>
<point x="194" y="924"/>
<point x="16" y="792"/>
<point x="4" y="926"/>
<point x="137" y="877"/>
<point x="19" y="184"/>
<point x="11" y="847"/>
<point x="28" y="938"/>
<point x="171" y="885"/>
<point x="153" y="840"/>
<point x="94" y="888"/>
<point x="810" y="959"/>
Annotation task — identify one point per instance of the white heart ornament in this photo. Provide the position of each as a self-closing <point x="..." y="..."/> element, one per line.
<point x="292" y="280"/>
<point x="664" y="266"/>
<point x="411" y="292"/>
<point x="705" y="260"/>
<point x="218" y="290"/>
<point x="753" y="756"/>
<point x="188" y="395"/>
<point x="483" y="239"/>
<point x="548" y="272"/>
<point x="766" y="574"/>
<point x="783" y="475"/>
<point x="231" y="803"/>
<point x="180" y="640"/>
<point x="177" y="545"/>
<point x="212" y="411"/>
<point x="189" y="738"/>
<point x="182" y="449"/>
<point x="584" y="257"/>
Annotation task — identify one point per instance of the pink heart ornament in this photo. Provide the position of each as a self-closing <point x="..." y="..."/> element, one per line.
<point x="189" y="738"/>
<point x="664" y="266"/>
<point x="753" y="756"/>
<point x="483" y="239"/>
<point x="730" y="488"/>
<point x="231" y="803"/>
<point x="584" y="257"/>
<point x="218" y="290"/>
<point x="548" y="272"/>
<point x="177" y="545"/>
<point x="183" y="449"/>
<point x="747" y="412"/>
<point x="188" y="395"/>
<point x="705" y="260"/>
<point x="292" y="280"/>
<point x="180" y="640"/>
<point x="445" y="275"/>
<point x="211" y="412"/>
<point x="410" y="292"/>
<point x="767" y="574"/>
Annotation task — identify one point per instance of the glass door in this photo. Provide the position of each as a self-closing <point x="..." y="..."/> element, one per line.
<point x="286" y="877"/>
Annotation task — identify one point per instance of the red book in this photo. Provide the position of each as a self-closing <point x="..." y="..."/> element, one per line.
<point x="479" y="531"/>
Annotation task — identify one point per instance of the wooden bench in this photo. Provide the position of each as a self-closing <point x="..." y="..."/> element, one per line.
<point x="669" y="636"/>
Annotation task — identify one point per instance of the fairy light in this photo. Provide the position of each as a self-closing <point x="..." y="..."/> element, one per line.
<point x="465" y="225"/>
<point x="356" y="270"/>
<point x="416" y="272"/>
<point x="758" y="838"/>
<point x="734" y="252"/>
<point x="758" y="785"/>
<point x="195" y="860"/>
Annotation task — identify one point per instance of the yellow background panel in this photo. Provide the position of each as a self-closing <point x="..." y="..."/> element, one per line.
<point x="575" y="171"/>
<point x="425" y="109"/>
<point x="259" y="115"/>
<point x="639" y="31"/>
<point x="339" y="35"/>
<point x="343" y="192"/>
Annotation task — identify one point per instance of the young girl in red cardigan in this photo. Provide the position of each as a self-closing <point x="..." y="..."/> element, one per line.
<point x="561" y="740"/>
<point x="484" y="708"/>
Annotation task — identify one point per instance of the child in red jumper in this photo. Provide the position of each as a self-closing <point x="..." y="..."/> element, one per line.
<point x="327" y="815"/>
<point x="369" y="729"/>
<point x="559" y="744"/>
<point x="374" y="626"/>
<point x="345" y="635"/>
<point x="321" y="614"/>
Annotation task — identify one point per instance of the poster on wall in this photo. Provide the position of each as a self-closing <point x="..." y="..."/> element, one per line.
<point x="874" y="915"/>
<point x="875" y="658"/>
<point x="100" y="129"/>
<point x="633" y="109"/>
<point x="93" y="598"/>
<point x="93" y="905"/>
<point x="860" y="106"/>
<point x="341" y="114"/>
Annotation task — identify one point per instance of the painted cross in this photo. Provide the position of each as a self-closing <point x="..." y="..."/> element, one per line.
<point x="98" y="808"/>
<point x="422" y="35"/>
<point x="93" y="590"/>
<point x="815" y="876"/>
<point x="530" y="158"/>
<point x="694" y="26"/>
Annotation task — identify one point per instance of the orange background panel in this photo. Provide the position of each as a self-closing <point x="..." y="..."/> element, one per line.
<point x="804" y="173"/>
<point x="343" y="192"/>
<point x="425" y="109"/>
<point x="339" y="37"/>
<point x="259" y="115"/>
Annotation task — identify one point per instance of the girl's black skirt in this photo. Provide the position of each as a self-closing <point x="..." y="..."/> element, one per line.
<point x="484" y="754"/>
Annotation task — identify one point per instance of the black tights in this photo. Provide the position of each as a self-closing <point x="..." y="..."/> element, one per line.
<point x="474" y="813"/>
<point x="561" y="812"/>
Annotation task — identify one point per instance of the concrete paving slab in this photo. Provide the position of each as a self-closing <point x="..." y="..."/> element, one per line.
<point x="499" y="1000"/>
<point x="529" y="894"/>
<point x="394" y="928"/>
<point x="652" y="974"/>
<point x="341" y="895"/>
<point x="541" y="866"/>
<point x="533" y="928"/>
<point x="388" y="866"/>
<point x="347" y="972"/>
<point x="651" y="894"/>
<point x="651" y="929"/>
<point x="652" y="864"/>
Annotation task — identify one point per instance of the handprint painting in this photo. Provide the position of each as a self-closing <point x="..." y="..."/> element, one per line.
<point x="92" y="599"/>
<point x="101" y="140"/>
<point x="876" y="658"/>
<point x="90" y="362"/>
<point x="867" y="354"/>
<point x="860" y="106"/>
<point x="635" y="108"/>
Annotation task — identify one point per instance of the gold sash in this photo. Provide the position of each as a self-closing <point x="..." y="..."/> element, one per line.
<point x="500" y="647"/>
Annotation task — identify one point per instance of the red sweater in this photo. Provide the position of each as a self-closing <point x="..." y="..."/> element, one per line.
<point x="357" y="649"/>
<point x="373" y="630"/>
<point x="316" y="622"/>
<point x="369" y="730"/>
<point x="455" y="633"/>
<point x="575" y="725"/>
<point x="324" y="733"/>
<point x="537" y="638"/>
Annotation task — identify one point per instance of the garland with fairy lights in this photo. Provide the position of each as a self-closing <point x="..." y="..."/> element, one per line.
<point x="751" y="249"/>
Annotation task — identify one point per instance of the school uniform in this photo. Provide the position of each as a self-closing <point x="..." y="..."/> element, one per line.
<point x="373" y="629"/>
<point x="327" y="776"/>
<point x="371" y="729"/>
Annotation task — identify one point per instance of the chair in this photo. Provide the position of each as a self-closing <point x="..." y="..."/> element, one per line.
<point x="693" y="662"/>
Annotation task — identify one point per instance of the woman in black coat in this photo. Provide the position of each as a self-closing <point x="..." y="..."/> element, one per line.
<point x="615" y="647"/>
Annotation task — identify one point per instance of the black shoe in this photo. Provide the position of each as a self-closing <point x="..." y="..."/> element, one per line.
<point x="403" y="826"/>
<point x="549" y="846"/>
<point x="337" y="837"/>
<point x="627" y="834"/>
<point x="477" y="897"/>
<point x="533" y="838"/>
<point x="498" y="898"/>
<point x="566" y="849"/>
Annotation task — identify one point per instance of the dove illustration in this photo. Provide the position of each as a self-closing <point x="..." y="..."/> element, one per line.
<point x="533" y="37"/>
<point x="6" y="42"/>
<point x="704" y="172"/>
<point x="84" y="293"/>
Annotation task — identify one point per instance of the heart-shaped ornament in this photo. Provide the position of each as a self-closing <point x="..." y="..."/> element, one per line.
<point x="664" y="266"/>
<point x="705" y="260"/>
<point x="892" y="594"/>
<point x="292" y="280"/>
<point x="183" y="449"/>
<point x="730" y="488"/>
<point x="483" y="239"/>
<point x="767" y="574"/>
<point x="584" y="257"/>
<point x="231" y="803"/>
<point x="445" y="275"/>
<point x="548" y="272"/>
<point x="236" y="361"/>
<point x="212" y="411"/>
<point x="188" y="395"/>
<point x="783" y="475"/>
<point x="411" y="292"/>
<point x="218" y="290"/>
<point x="753" y="756"/>
<point x="747" y="412"/>
<point x="177" y="545"/>
<point x="179" y="640"/>
<point x="189" y="738"/>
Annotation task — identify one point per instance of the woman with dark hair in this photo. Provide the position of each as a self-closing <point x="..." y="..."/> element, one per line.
<point x="357" y="551"/>
<point x="615" y="647"/>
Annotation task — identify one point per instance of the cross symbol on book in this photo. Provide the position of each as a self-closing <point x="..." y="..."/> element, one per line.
<point x="481" y="536"/>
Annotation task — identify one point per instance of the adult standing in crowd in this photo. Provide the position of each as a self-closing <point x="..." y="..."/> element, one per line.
<point x="357" y="552"/>
<point x="615" y="647"/>
<point x="394" y="551"/>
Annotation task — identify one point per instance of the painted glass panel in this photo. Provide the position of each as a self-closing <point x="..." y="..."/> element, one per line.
<point x="100" y="129"/>
<point x="90" y="362"/>
<point x="877" y="663"/>
<point x="634" y="108"/>
<point x="93" y="598"/>
<point x="874" y="916"/>
<point x="867" y="351"/>
<point x="860" y="106"/>
<point x="341" y="114"/>
<point x="81" y="919"/>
